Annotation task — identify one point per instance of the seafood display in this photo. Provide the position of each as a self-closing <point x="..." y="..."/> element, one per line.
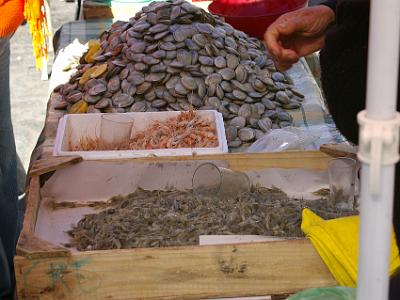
<point x="173" y="218"/>
<point x="173" y="55"/>
<point x="187" y="130"/>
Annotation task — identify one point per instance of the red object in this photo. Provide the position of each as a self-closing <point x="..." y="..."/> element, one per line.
<point x="11" y="16"/>
<point x="253" y="17"/>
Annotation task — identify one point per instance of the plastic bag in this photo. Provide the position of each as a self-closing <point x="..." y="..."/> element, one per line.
<point x="329" y="293"/>
<point x="296" y="138"/>
<point x="288" y="138"/>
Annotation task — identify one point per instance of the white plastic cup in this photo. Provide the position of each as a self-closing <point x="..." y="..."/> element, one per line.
<point x="342" y="175"/>
<point x="115" y="129"/>
<point x="209" y="179"/>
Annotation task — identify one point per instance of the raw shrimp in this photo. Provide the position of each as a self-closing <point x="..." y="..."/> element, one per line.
<point x="187" y="130"/>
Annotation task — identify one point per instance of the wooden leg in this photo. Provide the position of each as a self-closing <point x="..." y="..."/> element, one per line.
<point x="45" y="75"/>
<point x="78" y="12"/>
<point x="49" y="22"/>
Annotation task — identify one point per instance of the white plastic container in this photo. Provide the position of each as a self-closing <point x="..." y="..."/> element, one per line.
<point x="73" y="127"/>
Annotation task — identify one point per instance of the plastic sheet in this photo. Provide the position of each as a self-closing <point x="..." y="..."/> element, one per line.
<point x="295" y="138"/>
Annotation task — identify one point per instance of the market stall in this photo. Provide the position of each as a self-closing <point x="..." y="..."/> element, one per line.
<point x="232" y="76"/>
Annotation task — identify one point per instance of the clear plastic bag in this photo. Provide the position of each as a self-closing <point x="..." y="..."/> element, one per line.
<point x="329" y="293"/>
<point x="296" y="138"/>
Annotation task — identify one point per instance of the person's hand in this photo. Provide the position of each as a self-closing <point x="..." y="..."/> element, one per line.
<point x="297" y="34"/>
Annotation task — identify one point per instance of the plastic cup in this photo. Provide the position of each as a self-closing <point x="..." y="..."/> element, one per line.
<point x="342" y="175"/>
<point x="115" y="129"/>
<point x="210" y="180"/>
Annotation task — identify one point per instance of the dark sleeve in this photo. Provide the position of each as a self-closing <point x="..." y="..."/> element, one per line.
<point x="331" y="4"/>
<point x="344" y="75"/>
<point x="344" y="65"/>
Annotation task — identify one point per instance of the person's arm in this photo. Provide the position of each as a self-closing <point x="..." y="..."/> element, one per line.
<point x="331" y="4"/>
<point x="297" y="34"/>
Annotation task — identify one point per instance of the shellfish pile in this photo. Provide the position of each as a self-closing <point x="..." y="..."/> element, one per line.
<point x="175" y="218"/>
<point x="173" y="55"/>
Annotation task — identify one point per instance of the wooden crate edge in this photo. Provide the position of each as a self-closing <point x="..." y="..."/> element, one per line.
<point x="315" y="160"/>
<point x="28" y="244"/>
<point x="31" y="246"/>
<point x="193" y="272"/>
<point x="32" y="206"/>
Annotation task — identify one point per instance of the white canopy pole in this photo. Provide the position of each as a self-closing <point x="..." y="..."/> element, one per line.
<point x="379" y="134"/>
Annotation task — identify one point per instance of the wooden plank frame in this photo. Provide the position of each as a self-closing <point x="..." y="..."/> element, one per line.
<point x="47" y="271"/>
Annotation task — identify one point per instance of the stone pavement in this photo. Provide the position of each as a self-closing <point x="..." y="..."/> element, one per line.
<point x="28" y="91"/>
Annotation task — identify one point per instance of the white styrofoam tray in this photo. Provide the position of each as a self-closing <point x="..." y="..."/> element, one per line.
<point x="73" y="127"/>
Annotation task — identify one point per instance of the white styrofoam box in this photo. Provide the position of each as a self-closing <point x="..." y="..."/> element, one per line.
<point x="73" y="127"/>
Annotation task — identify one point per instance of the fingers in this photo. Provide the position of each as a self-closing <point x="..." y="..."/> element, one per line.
<point x="285" y="59"/>
<point x="288" y="56"/>
<point x="282" y="56"/>
<point x="271" y="40"/>
<point x="272" y="36"/>
<point x="282" y="67"/>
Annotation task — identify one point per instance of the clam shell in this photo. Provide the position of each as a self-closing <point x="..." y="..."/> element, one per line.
<point x="239" y="94"/>
<point x="122" y="100"/>
<point x="97" y="89"/>
<point x="189" y="83"/>
<point x="227" y="73"/>
<point x="246" y="134"/>
<point x="231" y="133"/>
<point x="265" y="124"/>
<point x="220" y="62"/>
<point x="139" y="107"/>
<point x="238" y="122"/>
<point x="103" y="103"/>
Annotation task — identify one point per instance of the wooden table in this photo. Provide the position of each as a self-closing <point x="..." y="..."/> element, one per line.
<point x="49" y="271"/>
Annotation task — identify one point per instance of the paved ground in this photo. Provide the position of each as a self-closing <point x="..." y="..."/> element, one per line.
<point x="28" y="91"/>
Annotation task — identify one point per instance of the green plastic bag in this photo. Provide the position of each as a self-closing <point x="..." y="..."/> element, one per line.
<point x="328" y="293"/>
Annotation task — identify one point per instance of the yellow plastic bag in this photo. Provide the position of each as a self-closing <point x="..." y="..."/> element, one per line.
<point x="336" y="241"/>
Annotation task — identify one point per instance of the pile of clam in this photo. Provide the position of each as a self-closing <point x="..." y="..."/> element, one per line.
<point x="173" y="55"/>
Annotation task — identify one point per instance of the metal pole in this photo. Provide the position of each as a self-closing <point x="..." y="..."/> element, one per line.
<point x="377" y="180"/>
